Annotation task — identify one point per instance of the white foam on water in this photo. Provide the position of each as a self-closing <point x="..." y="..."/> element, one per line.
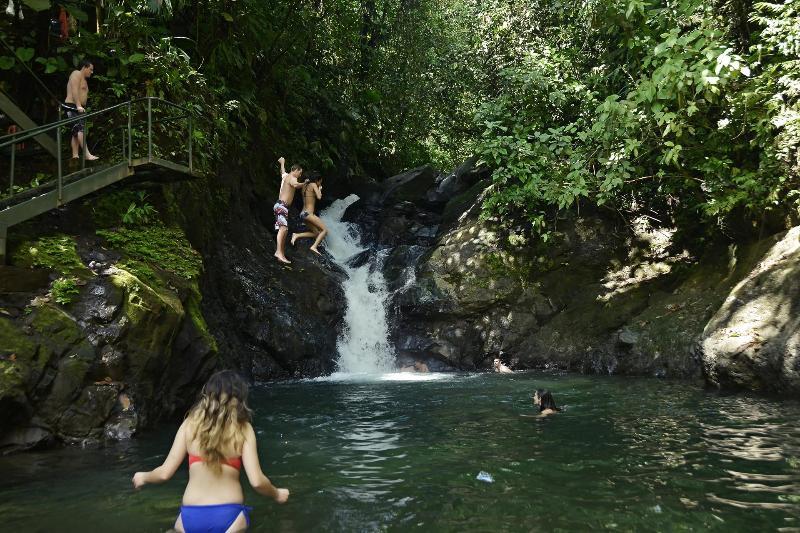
<point x="343" y="377"/>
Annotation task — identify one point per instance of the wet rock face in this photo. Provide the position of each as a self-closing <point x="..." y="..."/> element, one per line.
<point x="598" y="300"/>
<point x="601" y="297"/>
<point x="273" y="321"/>
<point x="124" y="355"/>
<point x="753" y="340"/>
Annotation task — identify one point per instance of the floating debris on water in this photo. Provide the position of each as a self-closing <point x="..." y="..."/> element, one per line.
<point x="485" y="477"/>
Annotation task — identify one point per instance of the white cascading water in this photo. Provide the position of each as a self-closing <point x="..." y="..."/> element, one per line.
<point x="364" y="342"/>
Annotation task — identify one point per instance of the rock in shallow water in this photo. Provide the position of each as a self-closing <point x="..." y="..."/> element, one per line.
<point x="753" y="340"/>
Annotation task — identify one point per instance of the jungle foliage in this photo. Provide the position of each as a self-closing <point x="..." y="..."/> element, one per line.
<point x="683" y="111"/>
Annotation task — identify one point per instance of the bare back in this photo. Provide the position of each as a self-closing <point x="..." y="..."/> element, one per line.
<point x="207" y="487"/>
<point x="286" y="194"/>
<point x="310" y="192"/>
<point x="77" y="89"/>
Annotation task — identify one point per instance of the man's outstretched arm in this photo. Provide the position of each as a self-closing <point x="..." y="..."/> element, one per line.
<point x="282" y="161"/>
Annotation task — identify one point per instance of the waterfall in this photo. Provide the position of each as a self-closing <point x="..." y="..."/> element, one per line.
<point x="363" y="345"/>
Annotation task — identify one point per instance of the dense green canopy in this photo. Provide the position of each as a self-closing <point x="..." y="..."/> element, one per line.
<point x="685" y="111"/>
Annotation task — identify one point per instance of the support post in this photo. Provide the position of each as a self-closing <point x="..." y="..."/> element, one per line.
<point x="149" y="129"/>
<point x="3" y="241"/>
<point x="85" y="144"/>
<point x="130" y="139"/>
<point x="13" y="162"/>
<point x="190" y="143"/>
<point x="58" y="155"/>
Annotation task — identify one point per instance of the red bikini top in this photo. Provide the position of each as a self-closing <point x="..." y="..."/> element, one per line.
<point x="235" y="462"/>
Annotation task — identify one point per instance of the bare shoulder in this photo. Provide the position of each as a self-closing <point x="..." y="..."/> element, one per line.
<point x="187" y="428"/>
<point x="75" y="74"/>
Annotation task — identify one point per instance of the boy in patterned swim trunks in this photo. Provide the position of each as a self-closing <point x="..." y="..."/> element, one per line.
<point x="289" y="182"/>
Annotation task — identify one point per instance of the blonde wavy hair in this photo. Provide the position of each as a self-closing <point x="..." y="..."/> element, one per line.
<point x="220" y="417"/>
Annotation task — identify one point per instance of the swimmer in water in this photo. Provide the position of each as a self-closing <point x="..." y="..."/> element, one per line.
<point x="418" y="366"/>
<point x="543" y="399"/>
<point x="219" y="440"/>
<point x="498" y="366"/>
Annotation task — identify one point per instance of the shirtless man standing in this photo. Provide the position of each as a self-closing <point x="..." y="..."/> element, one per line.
<point x="77" y="93"/>
<point x="281" y="208"/>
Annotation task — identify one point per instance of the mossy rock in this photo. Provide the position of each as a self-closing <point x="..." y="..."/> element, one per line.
<point x="195" y="314"/>
<point x="57" y="329"/>
<point x="153" y="316"/>
<point x="19" y="361"/>
<point x="86" y="417"/>
<point x="156" y="247"/>
<point x="56" y="252"/>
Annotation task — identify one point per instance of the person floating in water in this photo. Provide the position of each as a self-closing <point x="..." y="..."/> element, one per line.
<point x="543" y="399"/>
<point x="498" y="366"/>
<point x="312" y="191"/>
<point x="418" y="366"/>
<point x="289" y="182"/>
<point x="219" y="439"/>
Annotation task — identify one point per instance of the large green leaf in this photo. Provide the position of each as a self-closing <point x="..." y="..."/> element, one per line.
<point x="37" y="5"/>
<point x="6" y="62"/>
<point x="25" y="54"/>
<point x="77" y="12"/>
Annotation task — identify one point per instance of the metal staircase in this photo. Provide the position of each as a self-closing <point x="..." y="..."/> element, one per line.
<point x="134" y="135"/>
<point x="19" y="117"/>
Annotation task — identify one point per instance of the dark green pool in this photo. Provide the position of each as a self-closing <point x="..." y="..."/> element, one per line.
<point x="626" y="454"/>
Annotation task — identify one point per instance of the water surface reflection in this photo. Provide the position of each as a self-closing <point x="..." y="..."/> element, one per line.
<point x="397" y="455"/>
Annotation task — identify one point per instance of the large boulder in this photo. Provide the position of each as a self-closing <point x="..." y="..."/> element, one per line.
<point x="273" y="320"/>
<point x="125" y="355"/>
<point x="411" y="185"/>
<point x="449" y="186"/>
<point x="753" y="340"/>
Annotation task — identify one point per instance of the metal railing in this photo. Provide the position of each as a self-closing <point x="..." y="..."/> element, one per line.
<point x="13" y="139"/>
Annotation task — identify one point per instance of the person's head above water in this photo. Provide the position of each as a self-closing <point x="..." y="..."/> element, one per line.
<point x="220" y="416"/>
<point x="544" y="399"/>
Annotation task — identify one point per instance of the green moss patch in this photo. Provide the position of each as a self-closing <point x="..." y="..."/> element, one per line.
<point x="56" y="252"/>
<point x="155" y="247"/>
<point x="194" y="313"/>
<point x="19" y="357"/>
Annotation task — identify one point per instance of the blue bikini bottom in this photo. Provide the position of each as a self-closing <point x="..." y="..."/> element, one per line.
<point x="212" y="518"/>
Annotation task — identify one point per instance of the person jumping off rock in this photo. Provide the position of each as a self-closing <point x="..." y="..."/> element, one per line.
<point x="289" y="182"/>
<point x="312" y="191"/>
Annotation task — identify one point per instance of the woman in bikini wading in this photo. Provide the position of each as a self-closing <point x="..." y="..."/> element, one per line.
<point x="219" y="439"/>
<point x="312" y="191"/>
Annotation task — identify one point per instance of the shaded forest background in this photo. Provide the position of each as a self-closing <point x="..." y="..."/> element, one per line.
<point x="686" y="112"/>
